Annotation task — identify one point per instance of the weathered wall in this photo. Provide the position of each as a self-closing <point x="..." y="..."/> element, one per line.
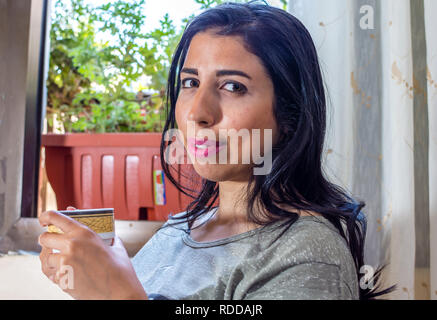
<point x="14" y="30"/>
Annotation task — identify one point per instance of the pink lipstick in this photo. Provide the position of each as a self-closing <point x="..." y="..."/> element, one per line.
<point x="203" y="148"/>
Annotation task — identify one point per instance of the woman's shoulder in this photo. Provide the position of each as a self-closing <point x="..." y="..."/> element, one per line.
<point x="172" y="227"/>
<point x="309" y="248"/>
<point x="164" y="238"/>
<point x="314" y="229"/>
<point x="313" y="239"/>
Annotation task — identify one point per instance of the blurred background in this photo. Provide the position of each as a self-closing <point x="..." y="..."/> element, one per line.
<point x="82" y="89"/>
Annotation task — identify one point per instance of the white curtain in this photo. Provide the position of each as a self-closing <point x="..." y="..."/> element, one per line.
<point x="382" y="136"/>
<point x="431" y="31"/>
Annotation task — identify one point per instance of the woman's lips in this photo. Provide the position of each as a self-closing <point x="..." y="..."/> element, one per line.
<point x="203" y="148"/>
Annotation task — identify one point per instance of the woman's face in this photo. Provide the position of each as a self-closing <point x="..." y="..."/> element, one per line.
<point x="223" y="87"/>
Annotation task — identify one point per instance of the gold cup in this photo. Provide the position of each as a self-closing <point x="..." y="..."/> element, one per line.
<point x="101" y="221"/>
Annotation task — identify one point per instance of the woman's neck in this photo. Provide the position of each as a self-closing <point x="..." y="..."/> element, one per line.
<point x="233" y="205"/>
<point x="231" y="217"/>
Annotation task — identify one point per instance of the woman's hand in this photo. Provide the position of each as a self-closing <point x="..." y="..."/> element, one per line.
<point x="85" y="267"/>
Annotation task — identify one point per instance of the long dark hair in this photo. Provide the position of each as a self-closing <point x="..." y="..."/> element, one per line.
<point x="287" y="52"/>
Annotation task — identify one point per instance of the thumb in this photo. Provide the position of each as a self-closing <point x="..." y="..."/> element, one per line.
<point x="117" y="243"/>
<point x="71" y="208"/>
<point x="117" y="246"/>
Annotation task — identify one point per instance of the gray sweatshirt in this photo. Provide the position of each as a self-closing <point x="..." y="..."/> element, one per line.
<point x="309" y="260"/>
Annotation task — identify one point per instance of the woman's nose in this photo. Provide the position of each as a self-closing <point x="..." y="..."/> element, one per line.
<point x="204" y="108"/>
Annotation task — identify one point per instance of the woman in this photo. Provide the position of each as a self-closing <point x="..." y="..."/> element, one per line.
<point x="287" y="233"/>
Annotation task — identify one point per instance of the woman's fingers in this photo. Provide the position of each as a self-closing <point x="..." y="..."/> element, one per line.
<point x="66" y="224"/>
<point x="117" y="243"/>
<point x="71" y="208"/>
<point x="53" y="241"/>
<point x="54" y="260"/>
<point x="45" y="265"/>
<point x="43" y="256"/>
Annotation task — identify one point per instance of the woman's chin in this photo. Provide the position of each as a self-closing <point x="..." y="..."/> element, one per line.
<point x="221" y="172"/>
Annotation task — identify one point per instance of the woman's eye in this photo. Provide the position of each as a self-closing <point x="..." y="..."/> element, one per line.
<point x="235" y="87"/>
<point x="189" y="83"/>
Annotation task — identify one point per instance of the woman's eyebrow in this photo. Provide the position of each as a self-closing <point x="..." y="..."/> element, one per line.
<point x="190" y="70"/>
<point x="219" y="73"/>
<point x="232" y="73"/>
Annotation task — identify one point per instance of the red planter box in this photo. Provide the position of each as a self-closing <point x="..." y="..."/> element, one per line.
<point x="112" y="170"/>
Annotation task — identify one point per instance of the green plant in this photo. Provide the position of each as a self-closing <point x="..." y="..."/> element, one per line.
<point x="97" y="53"/>
<point x="90" y="80"/>
<point x="205" y="4"/>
